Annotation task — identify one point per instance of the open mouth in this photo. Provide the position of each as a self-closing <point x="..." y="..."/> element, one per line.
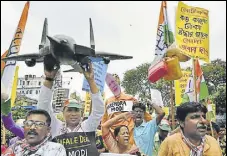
<point x="115" y="88"/>
<point x="126" y="140"/>
<point x="138" y="118"/>
<point x="73" y="119"/>
<point x="202" y="129"/>
<point x="32" y="135"/>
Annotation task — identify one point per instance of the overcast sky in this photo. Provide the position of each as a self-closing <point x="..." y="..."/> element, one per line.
<point x="127" y="28"/>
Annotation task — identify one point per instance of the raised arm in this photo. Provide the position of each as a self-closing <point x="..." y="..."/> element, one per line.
<point x="109" y="123"/>
<point x="45" y="98"/>
<point x="105" y="116"/>
<point x="158" y="110"/>
<point x="97" y="111"/>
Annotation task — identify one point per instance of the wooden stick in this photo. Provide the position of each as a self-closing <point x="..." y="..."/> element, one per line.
<point x="194" y="77"/>
<point x="3" y="135"/>
<point x="171" y="99"/>
<point x="211" y="128"/>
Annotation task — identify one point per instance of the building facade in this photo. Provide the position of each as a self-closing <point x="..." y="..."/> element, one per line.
<point x="30" y="86"/>
<point x="59" y="97"/>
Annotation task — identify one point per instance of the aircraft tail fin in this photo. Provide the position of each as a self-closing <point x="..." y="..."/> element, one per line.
<point x="92" y="40"/>
<point x="44" y="40"/>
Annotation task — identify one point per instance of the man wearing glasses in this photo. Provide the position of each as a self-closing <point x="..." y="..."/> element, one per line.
<point x="144" y="132"/>
<point x="37" y="134"/>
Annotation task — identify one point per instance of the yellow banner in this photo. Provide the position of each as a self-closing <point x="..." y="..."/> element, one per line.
<point x="14" y="87"/>
<point x="192" y="31"/>
<point x="166" y="110"/>
<point x="87" y="104"/>
<point x="180" y="86"/>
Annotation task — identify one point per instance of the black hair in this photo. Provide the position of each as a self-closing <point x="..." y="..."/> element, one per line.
<point x="214" y="126"/>
<point x="222" y="125"/>
<point x="189" y="107"/>
<point x="42" y="112"/>
<point x="117" y="130"/>
<point x="139" y="105"/>
<point x="170" y="117"/>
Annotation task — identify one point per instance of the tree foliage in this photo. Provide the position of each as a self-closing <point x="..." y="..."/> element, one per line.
<point x="214" y="74"/>
<point x="135" y="82"/>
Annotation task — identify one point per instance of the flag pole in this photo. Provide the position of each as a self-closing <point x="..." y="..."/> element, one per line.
<point x="211" y="127"/>
<point x="3" y="134"/>
<point x="171" y="82"/>
<point x="171" y="100"/>
<point x="194" y="78"/>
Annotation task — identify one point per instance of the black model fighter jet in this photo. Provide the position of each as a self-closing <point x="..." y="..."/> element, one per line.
<point x="63" y="50"/>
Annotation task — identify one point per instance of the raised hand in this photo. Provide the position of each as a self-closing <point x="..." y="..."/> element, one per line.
<point x="51" y="74"/>
<point x="89" y="72"/>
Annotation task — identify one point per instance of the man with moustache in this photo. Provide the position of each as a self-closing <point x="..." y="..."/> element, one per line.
<point x="37" y="134"/>
<point x="192" y="139"/>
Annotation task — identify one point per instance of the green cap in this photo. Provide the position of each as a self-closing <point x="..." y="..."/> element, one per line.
<point x="73" y="104"/>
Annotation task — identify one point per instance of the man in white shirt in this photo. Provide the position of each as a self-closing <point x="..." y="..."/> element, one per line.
<point x="72" y="115"/>
<point x="37" y="134"/>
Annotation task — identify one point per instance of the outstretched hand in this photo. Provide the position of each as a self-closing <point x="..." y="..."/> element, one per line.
<point x="89" y="72"/>
<point x="53" y="73"/>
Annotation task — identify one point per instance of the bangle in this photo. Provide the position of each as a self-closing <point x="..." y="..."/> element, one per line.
<point x="49" y="79"/>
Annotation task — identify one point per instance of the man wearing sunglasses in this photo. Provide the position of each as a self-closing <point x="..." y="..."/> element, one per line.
<point x="37" y="133"/>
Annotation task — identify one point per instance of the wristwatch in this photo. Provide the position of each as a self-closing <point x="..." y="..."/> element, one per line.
<point x="49" y="79"/>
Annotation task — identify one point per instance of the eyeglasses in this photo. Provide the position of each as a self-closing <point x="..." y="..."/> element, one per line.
<point x="38" y="124"/>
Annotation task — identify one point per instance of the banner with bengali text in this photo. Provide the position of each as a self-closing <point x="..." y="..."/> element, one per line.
<point x="180" y="86"/>
<point x="192" y="31"/>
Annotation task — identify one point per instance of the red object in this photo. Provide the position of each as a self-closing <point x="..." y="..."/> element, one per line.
<point x="157" y="71"/>
<point x="3" y="148"/>
<point x="7" y="152"/>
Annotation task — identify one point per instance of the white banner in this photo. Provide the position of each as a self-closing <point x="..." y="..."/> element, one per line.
<point x="119" y="106"/>
<point x="156" y="97"/>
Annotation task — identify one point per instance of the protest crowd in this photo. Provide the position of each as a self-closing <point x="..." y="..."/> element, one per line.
<point x="120" y="125"/>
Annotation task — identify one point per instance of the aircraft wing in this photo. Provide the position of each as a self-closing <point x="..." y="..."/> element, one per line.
<point x="76" y="68"/>
<point x="71" y="70"/>
<point x="111" y="56"/>
<point x="24" y="57"/>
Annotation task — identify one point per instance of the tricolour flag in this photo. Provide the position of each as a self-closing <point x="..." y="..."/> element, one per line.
<point x="8" y="68"/>
<point x="3" y="64"/>
<point x="164" y="34"/>
<point x="201" y="87"/>
<point x="189" y="91"/>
